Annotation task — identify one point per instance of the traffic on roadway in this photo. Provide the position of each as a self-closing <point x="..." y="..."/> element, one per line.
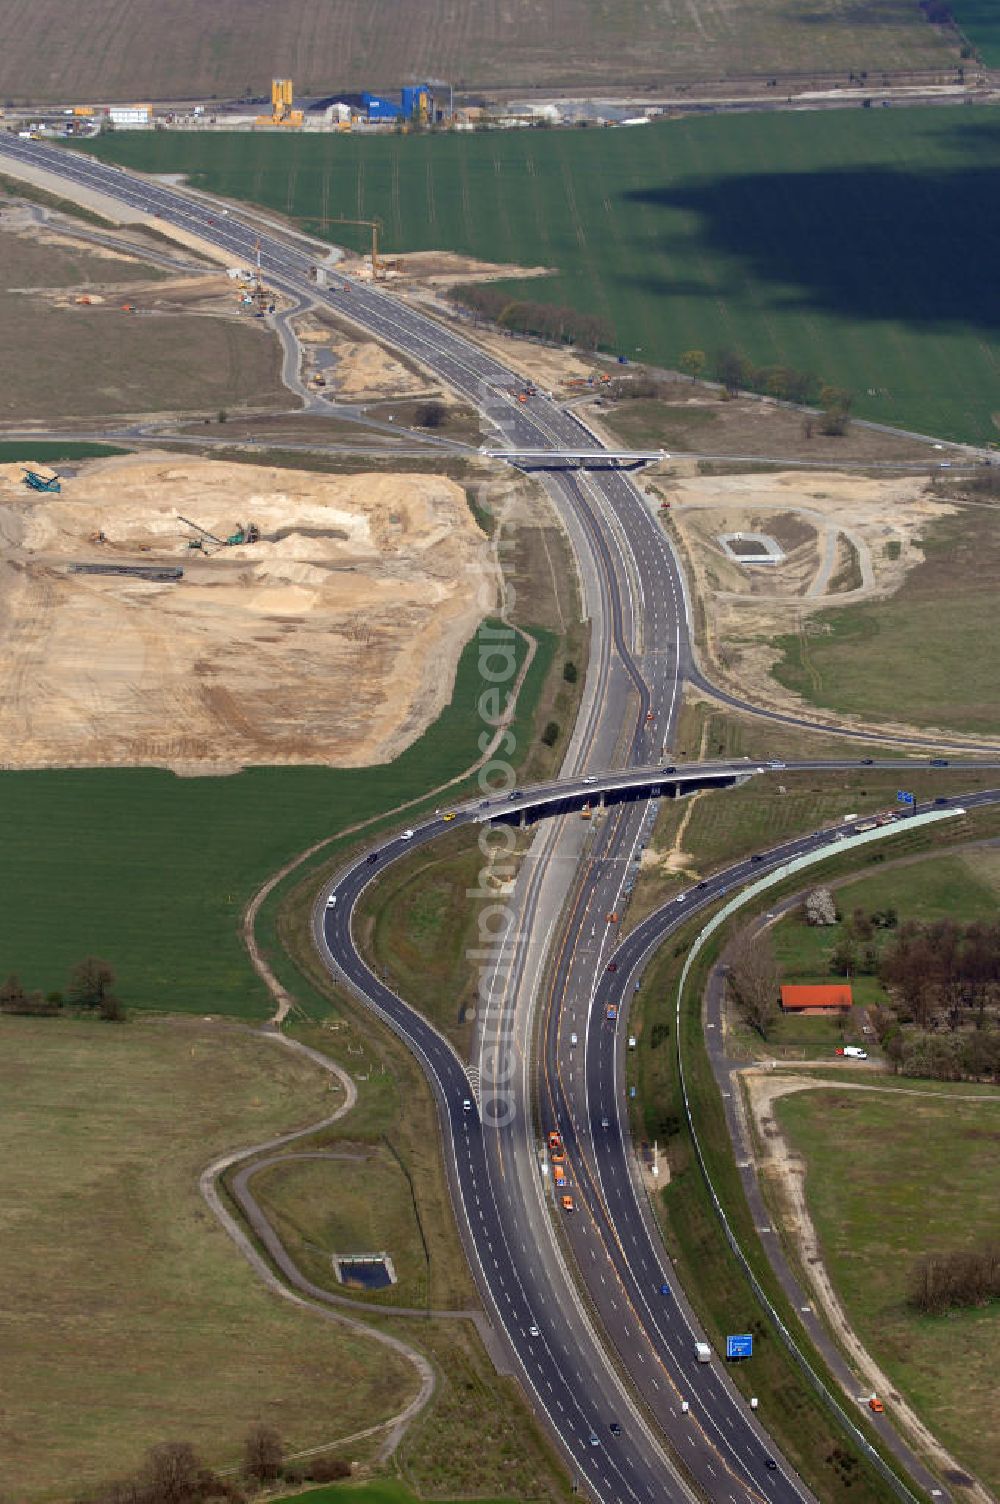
<point x="647" y="1420"/>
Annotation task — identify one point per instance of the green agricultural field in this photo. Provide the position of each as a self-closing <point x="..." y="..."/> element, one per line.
<point x="25" y="450"/>
<point x="129" y="1318"/>
<point x="857" y="244"/>
<point x="928" y="1162"/>
<point x="381" y="1491"/>
<point x="921" y="651"/>
<point x="153" y="871"/>
<point x="980" y="21"/>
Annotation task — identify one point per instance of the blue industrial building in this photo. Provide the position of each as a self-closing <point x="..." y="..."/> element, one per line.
<point x="416" y="103"/>
<point x="379" y="107"/>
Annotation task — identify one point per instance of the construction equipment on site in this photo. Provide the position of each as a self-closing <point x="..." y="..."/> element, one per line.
<point x="203" y="533"/>
<point x="35" y="481"/>
<point x="443" y="83"/>
<point x="158" y="574"/>
<point x="375" y="225"/>
<point x="282" y="102"/>
<point x="246" y="532"/>
<point x="262" y="300"/>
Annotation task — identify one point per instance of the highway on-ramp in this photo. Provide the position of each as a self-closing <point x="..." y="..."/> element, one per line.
<point x="641" y="653"/>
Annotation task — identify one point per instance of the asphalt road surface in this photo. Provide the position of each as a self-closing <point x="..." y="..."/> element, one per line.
<point x="611" y="1428"/>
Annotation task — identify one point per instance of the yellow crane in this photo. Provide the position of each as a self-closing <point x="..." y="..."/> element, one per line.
<point x="262" y="299"/>
<point x="375" y="225"/>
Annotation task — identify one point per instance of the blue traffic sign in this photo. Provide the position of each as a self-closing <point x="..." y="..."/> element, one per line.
<point x="903" y="797"/>
<point x="739" y="1347"/>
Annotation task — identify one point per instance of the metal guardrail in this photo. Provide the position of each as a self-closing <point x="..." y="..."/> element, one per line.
<point x="745" y="896"/>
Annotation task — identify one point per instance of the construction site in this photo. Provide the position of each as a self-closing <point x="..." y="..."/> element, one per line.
<point x="206" y="616"/>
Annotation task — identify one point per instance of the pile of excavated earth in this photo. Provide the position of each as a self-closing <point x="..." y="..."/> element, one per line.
<point x="332" y="639"/>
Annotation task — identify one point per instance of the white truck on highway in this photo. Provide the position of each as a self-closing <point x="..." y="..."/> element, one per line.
<point x="703" y="1352"/>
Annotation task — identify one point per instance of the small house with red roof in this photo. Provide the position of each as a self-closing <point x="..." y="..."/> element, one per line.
<point x="833" y="997"/>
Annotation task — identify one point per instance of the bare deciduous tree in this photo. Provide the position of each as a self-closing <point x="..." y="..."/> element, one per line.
<point x="171" y="1473"/>
<point x="754" y="980"/>
<point x="263" y="1450"/>
<point x="90" y="981"/>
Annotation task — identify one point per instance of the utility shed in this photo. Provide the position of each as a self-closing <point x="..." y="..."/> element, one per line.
<point x="834" y="997"/>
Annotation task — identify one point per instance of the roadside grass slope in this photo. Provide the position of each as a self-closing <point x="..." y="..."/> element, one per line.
<point x="929" y="1165"/>
<point x="839" y="243"/>
<point x="924" y="650"/>
<point x="129" y="1318"/>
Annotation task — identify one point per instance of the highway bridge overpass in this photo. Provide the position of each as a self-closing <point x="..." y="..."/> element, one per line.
<point x="527" y="806"/>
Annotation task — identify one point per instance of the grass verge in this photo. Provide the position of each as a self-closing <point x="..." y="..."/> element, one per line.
<point x="931" y="1170"/>
<point x="710" y="1274"/>
<point x="380" y="1491"/>
<point x="107" y="1249"/>
<point x="801" y="1425"/>
<point x="920" y="651"/>
<point x="359" y="1200"/>
<point x="729" y="823"/>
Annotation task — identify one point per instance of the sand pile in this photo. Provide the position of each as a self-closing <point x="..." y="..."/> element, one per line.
<point x="334" y="639"/>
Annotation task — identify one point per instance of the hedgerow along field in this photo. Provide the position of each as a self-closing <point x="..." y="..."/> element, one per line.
<point x="855" y="244"/>
<point x="153" y="872"/>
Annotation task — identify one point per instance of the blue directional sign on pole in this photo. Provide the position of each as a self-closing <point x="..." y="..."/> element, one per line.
<point x="739" y="1347"/>
<point x="904" y="797"/>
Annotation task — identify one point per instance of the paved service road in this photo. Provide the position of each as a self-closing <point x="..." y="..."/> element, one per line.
<point x="641" y="654"/>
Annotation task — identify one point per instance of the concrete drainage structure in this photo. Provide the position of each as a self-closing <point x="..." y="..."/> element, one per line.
<point x="370" y="1271"/>
<point x="752" y="548"/>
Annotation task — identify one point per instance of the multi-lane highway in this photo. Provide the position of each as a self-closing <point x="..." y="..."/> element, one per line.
<point x="651" y="1423"/>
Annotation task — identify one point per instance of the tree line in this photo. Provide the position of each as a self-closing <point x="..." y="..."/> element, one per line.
<point x="554" y="321"/>
<point x="735" y="373"/>
<point x="942" y="973"/>
<point x="785" y="383"/>
<point x="91" y="988"/>
<point x="172" y="1473"/>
